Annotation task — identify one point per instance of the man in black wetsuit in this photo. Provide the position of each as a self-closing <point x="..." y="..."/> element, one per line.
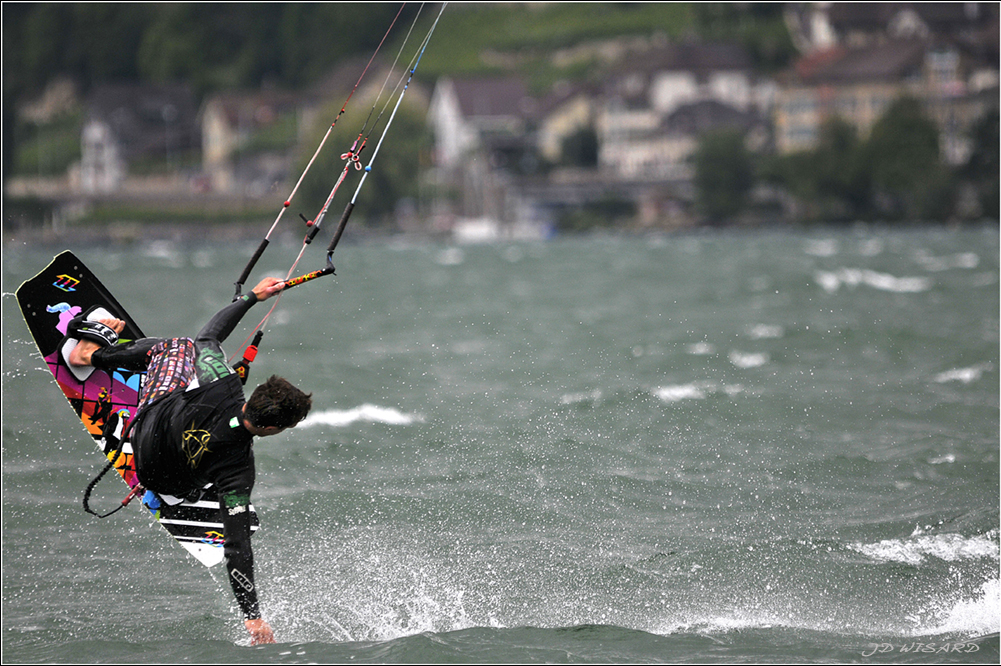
<point x="193" y="427"/>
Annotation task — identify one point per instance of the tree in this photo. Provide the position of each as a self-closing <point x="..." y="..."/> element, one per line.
<point x="982" y="168"/>
<point x="394" y="174"/>
<point x="902" y="154"/>
<point x="724" y="174"/>
<point x="842" y="181"/>
<point x="581" y="148"/>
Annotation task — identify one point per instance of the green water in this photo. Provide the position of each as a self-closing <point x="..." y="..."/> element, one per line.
<point x="734" y="447"/>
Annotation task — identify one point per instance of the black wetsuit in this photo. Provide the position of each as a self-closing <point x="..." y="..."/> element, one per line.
<point x="192" y="437"/>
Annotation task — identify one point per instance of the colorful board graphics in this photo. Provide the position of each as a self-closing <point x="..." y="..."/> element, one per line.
<point x="63" y="290"/>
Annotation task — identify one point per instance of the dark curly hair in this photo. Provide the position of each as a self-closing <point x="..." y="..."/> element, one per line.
<point x="276" y="403"/>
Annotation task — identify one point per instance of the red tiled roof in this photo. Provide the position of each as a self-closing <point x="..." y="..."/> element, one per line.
<point x="889" y="61"/>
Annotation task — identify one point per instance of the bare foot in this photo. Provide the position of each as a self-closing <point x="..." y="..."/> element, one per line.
<point x="80" y="355"/>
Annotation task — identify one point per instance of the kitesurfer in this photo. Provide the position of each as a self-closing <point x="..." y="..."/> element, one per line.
<point x="193" y="426"/>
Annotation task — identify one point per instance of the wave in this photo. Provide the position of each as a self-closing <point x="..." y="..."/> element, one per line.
<point x="964" y="375"/>
<point x="748" y="360"/>
<point x="831" y="281"/>
<point x="339" y="418"/>
<point x="761" y="331"/>
<point x="679" y="392"/>
<point x="916" y="549"/>
<point x="701" y="349"/>
<point x="693" y="391"/>
<point x="966" y="260"/>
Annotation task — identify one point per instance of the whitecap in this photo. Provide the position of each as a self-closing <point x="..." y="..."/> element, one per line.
<point x="752" y="360"/>
<point x="829" y="282"/>
<point x="965" y="260"/>
<point x="679" y="392"/>
<point x="761" y="331"/>
<point x="888" y="282"/>
<point x="964" y="375"/>
<point x="853" y="277"/>
<point x="339" y="418"/>
<point x="701" y="349"/>
<point x="947" y="547"/>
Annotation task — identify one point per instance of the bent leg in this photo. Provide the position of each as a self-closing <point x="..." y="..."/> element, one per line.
<point x="133" y="355"/>
<point x="171" y="367"/>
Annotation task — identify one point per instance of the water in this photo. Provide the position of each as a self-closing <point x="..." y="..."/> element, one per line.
<point x="745" y="447"/>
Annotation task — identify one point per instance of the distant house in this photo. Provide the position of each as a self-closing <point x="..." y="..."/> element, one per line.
<point x="859" y="57"/>
<point x="859" y="84"/>
<point x="567" y="110"/>
<point x="128" y="123"/>
<point x="472" y="114"/>
<point x="663" y="153"/>
<point x="235" y="157"/>
<point x="640" y="126"/>
<point x="860" y="24"/>
<point x="818" y="26"/>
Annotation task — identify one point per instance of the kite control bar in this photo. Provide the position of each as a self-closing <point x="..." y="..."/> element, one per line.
<point x="296" y="281"/>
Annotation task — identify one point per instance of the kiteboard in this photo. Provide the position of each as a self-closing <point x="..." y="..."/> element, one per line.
<point x="48" y="301"/>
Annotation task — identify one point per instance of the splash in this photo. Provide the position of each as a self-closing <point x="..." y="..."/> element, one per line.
<point x="947" y="547"/>
<point x="978" y="616"/>
<point x="378" y="586"/>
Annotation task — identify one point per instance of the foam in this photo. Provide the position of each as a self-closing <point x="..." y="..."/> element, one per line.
<point x="701" y="349"/>
<point x="964" y="375"/>
<point x="694" y="391"/>
<point x="967" y="260"/>
<point x="679" y="392"/>
<point x="915" y="550"/>
<point x="761" y="331"/>
<point x="831" y="281"/>
<point x="748" y="360"/>
<point x="722" y="624"/>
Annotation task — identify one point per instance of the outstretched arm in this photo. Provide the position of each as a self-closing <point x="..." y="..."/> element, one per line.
<point x="235" y="508"/>
<point x="210" y="363"/>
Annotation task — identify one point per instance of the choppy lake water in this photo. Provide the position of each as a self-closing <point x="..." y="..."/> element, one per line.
<point x="743" y="447"/>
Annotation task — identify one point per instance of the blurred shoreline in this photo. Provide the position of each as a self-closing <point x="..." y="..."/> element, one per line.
<point x="289" y="231"/>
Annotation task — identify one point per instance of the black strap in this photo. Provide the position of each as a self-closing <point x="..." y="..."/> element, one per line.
<point x="108" y="431"/>
<point x="84" y="329"/>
